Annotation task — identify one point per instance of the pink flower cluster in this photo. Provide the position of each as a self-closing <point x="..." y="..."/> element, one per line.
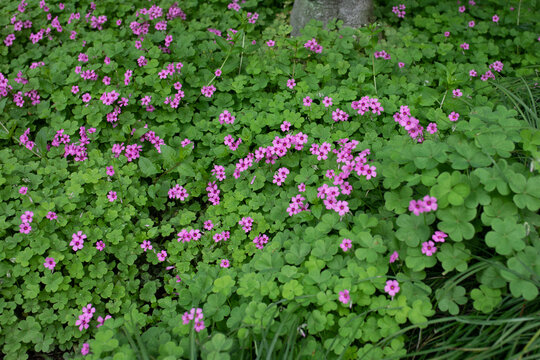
<point x="178" y="192"/>
<point x="297" y="205"/>
<point x="60" y="138"/>
<point x="219" y="172"/>
<point x="208" y="91"/>
<point x="226" y="117"/>
<point x="252" y="18"/>
<point x="108" y="98"/>
<point x="428" y="247"/>
<point x="234" y="6"/>
<point x="497" y="66"/>
<point x="340" y="115"/>
<point x="365" y="104"/>
<point x="196" y="314"/>
<point x="77" y="241"/>
<point x="84" y="319"/>
<point x="222" y="236"/>
<point x="186" y="236"/>
<point x="213" y="193"/>
<point x="231" y="143"/>
<point x="312" y="45"/>
<point x="280" y="176"/>
<point x="246" y="223"/>
<point x="382" y="54"/>
<point x="133" y="152"/>
<point x="260" y="240"/>
<point x="24" y="140"/>
<point x="427" y="204"/>
<point x="399" y="10"/>
<point x="409" y="123"/>
<point x="487" y="75"/>
<point x="26" y="219"/>
<point x="153" y="139"/>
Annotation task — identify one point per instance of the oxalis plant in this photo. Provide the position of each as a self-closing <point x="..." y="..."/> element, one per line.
<point x="186" y="180"/>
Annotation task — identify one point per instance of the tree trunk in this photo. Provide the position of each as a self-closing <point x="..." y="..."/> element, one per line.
<point x="354" y="13"/>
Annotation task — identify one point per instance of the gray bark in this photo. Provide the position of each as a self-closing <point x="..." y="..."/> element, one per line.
<point x="354" y="13"/>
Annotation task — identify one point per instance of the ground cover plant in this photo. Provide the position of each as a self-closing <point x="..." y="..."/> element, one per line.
<point x="185" y="180"/>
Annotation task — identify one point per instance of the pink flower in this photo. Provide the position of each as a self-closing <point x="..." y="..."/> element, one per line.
<point x="23" y="190"/>
<point x="392" y="288"/>
<point x="49" y="263"/>
<point x="430" y="203"/>
<point x="307" y="101"/>
<point x="471" y="23"/>
<point x="439" y="236"/>
<point x="224" y="263"/>
<point x="270" y="43"/>
<point x="208" y="225"/>
<point x="100" y="245"/>
<point x="27" y="217"/>
<point x="327" y="101"/>
<point x="432" y="128"/>
<point x="346" y="244"/>
<point x="302" y="187"/>
<point x="110" y="170"/>
<point x="285" y="126"/>
<point x="199" y="325"/>
<point x="51" y="215"/>
<point x="472" y="73"/>
<point x="86" y="97"/>
<point x="146" y="245"/>
<point x="457" y="93"/>
<point x="462" y="9"/>
<point x="401" y="64"/>
<point x="464" y="46"/>
<point x="77" y="240"/>
<point x="417" y="207"/>
<point x="394" y="257"/>
<point x="162" y="255"/>
<point x="454" y="116"/>
<point x="74" y="89"/>
<point x="447" y="33"/>
<point x="291" y="83"/>
<point x="82" y="322"/>
<point x="344" y="296"/>
<point x="111" y="196"/>
<point x="495" y="18"/>
<point x="218" y="72"/>
<point x="428" y="248"/>
<point x="85" y="349"/>
<point x="25" y="228"/>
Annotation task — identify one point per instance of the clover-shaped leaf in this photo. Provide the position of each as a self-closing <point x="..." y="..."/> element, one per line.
<point x="527" y="191"/>
<point x="451" y="189"/>
<point x="524" y="274"/>
<point x="449" y="298"/>
<point x="455" y="222"/>
<point x="398" y="201"/>
<point x="453" y="256"/>
<point x="485" y="298"/>
<point x="420" y="310"/>
<point x="414" y="229"/>
<point x="507" y="235"/>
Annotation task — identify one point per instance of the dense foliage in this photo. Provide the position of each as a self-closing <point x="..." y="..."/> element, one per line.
<point x="185" y="179"/>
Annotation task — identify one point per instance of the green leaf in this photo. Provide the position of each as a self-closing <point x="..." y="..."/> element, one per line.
<point x="147" y="166"/>
<point x="506" y="236"/>
<point x="485" y="298"/>
<point x="414" y="229"/>
<point x="449" y="298"/>
<point x="455" y="222"/>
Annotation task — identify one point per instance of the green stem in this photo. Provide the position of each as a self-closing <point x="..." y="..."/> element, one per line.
<point x="373" y="69"/>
